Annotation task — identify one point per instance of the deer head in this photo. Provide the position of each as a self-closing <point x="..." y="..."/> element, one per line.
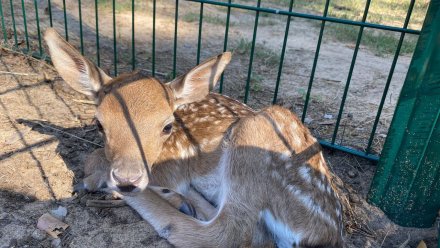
<point x="134" y="113"/>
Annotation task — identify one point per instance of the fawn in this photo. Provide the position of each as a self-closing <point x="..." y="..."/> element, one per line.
<point x="259" y="178"/>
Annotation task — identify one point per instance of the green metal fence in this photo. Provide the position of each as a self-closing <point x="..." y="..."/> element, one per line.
<point x="407" y="181"/>
<point x="226" y="5"/>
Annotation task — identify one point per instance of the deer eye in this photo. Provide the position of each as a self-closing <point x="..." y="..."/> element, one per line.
<point x="167" y="129"/>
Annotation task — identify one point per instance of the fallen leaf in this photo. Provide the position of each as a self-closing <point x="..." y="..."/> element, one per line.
<point x="51" y="225"/>
<point x="422" y="244"/>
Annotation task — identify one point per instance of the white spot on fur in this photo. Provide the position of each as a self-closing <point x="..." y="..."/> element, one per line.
<point x="310" y="204"/>
<point x="222" y="110"/>
<point x="185" y="152"/>
<point x="294" y="126"/>
<point x="276" y="175"/>
<point x="304" y="172"/>
<point x="284" y="236"/>
<point x="267" y="159"/>
<point x="320" y="185"/>
<point x="285" y="156"/>
<point x="289" y="165"/>
<point x="328" y="189"/>
<point x="338" y="212"/>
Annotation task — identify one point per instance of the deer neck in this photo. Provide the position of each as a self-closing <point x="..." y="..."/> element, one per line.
<point x="200" y="127"/>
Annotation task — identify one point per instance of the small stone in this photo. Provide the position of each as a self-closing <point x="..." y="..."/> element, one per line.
<point x="354" y="198"/>
<point x="60" y="212"/>
<point x="308" y="120"/>
<point x="38" y="234"/>
<point x="3" y="216"/>
<point x="56" y="243"/>
<point x="352" y="173"/>
<point x="382" y="135"/>
<point x="328" y="116"/>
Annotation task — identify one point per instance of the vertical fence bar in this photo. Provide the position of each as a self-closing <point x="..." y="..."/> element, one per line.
<point x="225" y="43"/>
<point x="153" y="52"/>
<point x="98" y="56"/>
<point x="283" y="51"/>
<point x="5" y="36"/>
<point x="199" y="42"/>
<point x="133" y="49"/>
<point x="176" y="16"/>
<point x="80" y="27"/>
<point x="406" y="185"/>
<point x="13" y="23"/>
<point x="350" y="73"/>
<point x="248" y="82"/>
<point x="315" y="63"/>
<point x="65" y="21"/>
<point x="25" y="25"/>
<point x="390" y="77"/>
<point x="40" y="47"/>
<point x="49" y="8"/>
<point x="115" y="55"/>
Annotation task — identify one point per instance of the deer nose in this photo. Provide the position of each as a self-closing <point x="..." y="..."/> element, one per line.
<point x="127" y="180"/>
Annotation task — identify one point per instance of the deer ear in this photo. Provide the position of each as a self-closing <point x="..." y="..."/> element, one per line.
<point x="196" y="84"/>
<point x="81" y="74"/>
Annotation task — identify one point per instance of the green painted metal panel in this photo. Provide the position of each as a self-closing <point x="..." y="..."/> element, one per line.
<point x="407" y="182"/>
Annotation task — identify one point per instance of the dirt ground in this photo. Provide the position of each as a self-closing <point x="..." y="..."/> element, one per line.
<point x="42" y="139"/>
<point x="44" y="123"/>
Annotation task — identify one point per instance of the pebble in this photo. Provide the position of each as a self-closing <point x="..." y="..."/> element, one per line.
<point x="328" y="116"/>
<point x="60" y="212"/>
<point x="352" y="173"/>
<point x="308" y="120"/>
<point x="56" y="243"/>
<point x="355" y="198"/>
<point x="38" y="234"/>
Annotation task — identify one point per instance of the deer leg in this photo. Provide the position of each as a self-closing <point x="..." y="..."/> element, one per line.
<point x="192" y="204"/>
<point x="205" y="210"/>
<point x="182" y="230"/>
<point x="176" y="200"/>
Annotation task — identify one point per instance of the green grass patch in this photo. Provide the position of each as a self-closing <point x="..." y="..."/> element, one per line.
<point x="264" y="54"/>
<point x="195" y="17"/>
<point x="256" y="83"/>
<point x="120" y="6"/>
<point x="380" y="42"/>
<point x="387" y="12"/>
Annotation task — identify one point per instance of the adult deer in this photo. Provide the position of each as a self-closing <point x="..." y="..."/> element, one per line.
<point x="263" y="170"/>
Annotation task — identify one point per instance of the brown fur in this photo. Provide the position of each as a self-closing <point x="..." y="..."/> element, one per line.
<point x="263" y="171"/>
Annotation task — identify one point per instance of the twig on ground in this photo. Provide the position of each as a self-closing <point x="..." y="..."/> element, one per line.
<point x="384" y="238"/>
<point x="84" y="101"/>
<point x="105" y="203"/>
<point x="403" y="245"/>
<point x="72" y="135"/>
<point x="27" y="56"/>
<point x="156" y="72"/>
<point x="18" y="73"/>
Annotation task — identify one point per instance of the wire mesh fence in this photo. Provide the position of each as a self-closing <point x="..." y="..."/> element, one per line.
<point x="126" y="35"/>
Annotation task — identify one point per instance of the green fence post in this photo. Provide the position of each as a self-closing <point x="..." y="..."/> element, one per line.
<point x="407" y="182"/>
